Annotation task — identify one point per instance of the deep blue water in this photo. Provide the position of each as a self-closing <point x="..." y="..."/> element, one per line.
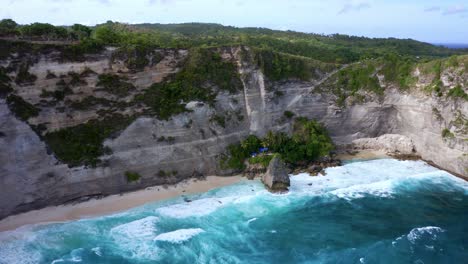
<point x="380" y="211"/>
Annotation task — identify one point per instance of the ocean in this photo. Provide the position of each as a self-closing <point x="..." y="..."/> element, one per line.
<point x="376" y="211"/>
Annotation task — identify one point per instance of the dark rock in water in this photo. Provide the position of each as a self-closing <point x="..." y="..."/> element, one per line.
<point x="276" y="178"/>
<point x="315" y="168"/>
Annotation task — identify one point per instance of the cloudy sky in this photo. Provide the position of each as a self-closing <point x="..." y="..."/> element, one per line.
<point x="443" y="21"/>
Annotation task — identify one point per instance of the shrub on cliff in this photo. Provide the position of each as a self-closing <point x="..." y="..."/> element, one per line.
<point x="115" y="84"/>
<point x="83" y="144"/>
<point x="132" y="176"/>
<point x="77" y="52"/>
<point x="5" y="87"/>
<point x="23" y="76"/>
<point x="458" y="92"/>
<point x="22" y="109"/>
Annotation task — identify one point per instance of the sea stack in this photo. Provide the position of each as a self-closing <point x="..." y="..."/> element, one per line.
<point x="276" y="179"/>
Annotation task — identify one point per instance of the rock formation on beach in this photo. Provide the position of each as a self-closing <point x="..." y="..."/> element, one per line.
<point x="277" y="176"/>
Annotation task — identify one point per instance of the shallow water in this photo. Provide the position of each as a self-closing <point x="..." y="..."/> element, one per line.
<point x="380" y="211"/>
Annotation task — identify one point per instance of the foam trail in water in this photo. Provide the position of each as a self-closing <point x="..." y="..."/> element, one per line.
<point x="135" y="238"/>
<point x="251" y="220"/>
<point x="139" y="228"/>
<point x="179" y="236"/>
<point x="195" y="208"/>
<point x="429" y="232"/>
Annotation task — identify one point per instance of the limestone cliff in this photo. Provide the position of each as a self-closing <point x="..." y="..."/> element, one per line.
<point x="190" y="143"/>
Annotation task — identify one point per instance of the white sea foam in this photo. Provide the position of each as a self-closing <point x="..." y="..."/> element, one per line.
<point x="430" y="232"/>
<point x="357" y="180"/>
<point x="139" y="228"/>
<point x="75" y="255"/>
<point x="97" y="251"/>
<point x="251" y="220"/>
<point x="135" y="238"/>
<point x="13" y="246"/>
<point x="179" y="236"/>
<point x="381" y="189"/>
<point x="195" y="208"/>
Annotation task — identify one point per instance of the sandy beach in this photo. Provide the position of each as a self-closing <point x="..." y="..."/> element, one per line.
<point x="114" y="203"/>
<point x="364" y="155"/>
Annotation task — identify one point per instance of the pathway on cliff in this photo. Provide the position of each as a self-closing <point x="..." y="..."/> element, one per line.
<point x="319" y="82"/>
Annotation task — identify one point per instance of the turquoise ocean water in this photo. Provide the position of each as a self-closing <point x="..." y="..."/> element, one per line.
<point x="379" y="211"/>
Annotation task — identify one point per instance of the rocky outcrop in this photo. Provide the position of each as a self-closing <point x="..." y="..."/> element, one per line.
<point x="276" y="179"/>
<point x="190" y="144"/>
<point x="390" y="143"/>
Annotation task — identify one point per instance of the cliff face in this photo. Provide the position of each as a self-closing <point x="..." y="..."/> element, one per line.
<point x="190" y="144"/>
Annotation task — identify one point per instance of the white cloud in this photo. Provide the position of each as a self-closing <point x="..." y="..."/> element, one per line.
<point x="349" y="7"/>
<point x="453" y="10"/>
<point x="433" y="9"/>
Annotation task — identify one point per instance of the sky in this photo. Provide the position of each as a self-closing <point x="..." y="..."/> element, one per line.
<point x="443" y="21"/>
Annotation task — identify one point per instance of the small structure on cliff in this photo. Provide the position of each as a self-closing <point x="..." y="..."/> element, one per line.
<point x="276" y="179"/>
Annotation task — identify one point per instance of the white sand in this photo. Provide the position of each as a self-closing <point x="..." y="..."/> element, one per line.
<point x="364" y="154"/>
<point x="114" y="203"/>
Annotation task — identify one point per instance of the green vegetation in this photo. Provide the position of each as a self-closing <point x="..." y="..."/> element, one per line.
<point x="309" y="141"/>
<point x="458" y="92"/>
<point x="77" y="52"/>
<point x="288" y="114"/>
<point x="460" y="123"/>
<point x="137" y="57"/>
<point x="22" y="109"/>
<point x="279" y="66"/>
<point x="8" y="27"/>
<point x="43" y="31"/>
<point x="76" y="79"/>
<point x="359" y="77"/>
<point x="203" y="68"/>
<point x="132" y="176"/>
<point x="325" y="48"/>
<point x="328" y="48"/>
<point x="162" y="173"/>
<point x="5" y="87"/>
<point x="446" y="133"/>
<point x="263" y="160"/>
<point x="58" y="94"/>
<point x="115" y="84"/>
<point x="220" y="120"/>
<point x="352" y="80"/>
<point x="397" y="69"/>
<point x="23" y="76"/>
<point x="81" y="32"/>
<point x="90" y="101"/>
<point x="83" y="144"/>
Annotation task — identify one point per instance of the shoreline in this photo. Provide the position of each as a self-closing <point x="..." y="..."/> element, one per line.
<point x="114" y="203"/>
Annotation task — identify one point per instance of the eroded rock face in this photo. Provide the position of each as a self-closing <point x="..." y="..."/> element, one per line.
<point x="31" y="177"/>
<point x="276" y="179"/>
<point x="389" y="143"/>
